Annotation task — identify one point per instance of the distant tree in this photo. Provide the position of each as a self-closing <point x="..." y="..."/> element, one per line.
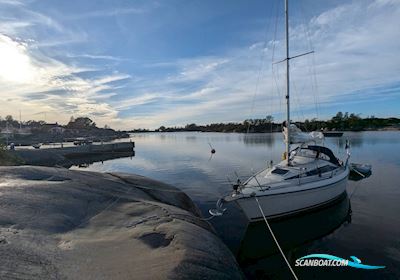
<point x="354" y="122"/>
<point x="269" y="119"/>
<point x="81" y="123"/>
<point x="337" y="121"/>
<point x="191" y="127"/>
<point x="338" y="117"/>
<point x="11" y="121"/>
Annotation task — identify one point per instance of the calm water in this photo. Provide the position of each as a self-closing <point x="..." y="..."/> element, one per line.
<point x="365" y="223"/>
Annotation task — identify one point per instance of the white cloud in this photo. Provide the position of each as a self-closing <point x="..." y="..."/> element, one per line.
<point x="13" y="27"/>
<point x="195" y="70"/>
<point x="35" y="83"/>
<point x="11" y="2"/>
<point x="356" y="47"/>
<point x="91" y="56"/>
<point x="136" y="101"/>
<point x="39" y="85"/>
<point x="106" y="13"/>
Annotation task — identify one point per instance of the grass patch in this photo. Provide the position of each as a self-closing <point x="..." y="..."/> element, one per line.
<point x="8" y="158"/>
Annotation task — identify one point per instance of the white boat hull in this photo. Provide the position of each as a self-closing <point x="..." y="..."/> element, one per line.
<point x="282" y="204"/>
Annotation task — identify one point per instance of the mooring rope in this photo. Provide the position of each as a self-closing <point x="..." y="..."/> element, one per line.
<point x="276" y="241"/>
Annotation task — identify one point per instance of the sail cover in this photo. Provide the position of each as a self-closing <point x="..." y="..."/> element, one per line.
<point x="297" y="136"/>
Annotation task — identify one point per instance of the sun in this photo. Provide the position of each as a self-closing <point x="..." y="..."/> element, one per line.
<point x="16" y="65"/>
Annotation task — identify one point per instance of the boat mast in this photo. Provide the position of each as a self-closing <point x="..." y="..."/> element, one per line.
<point x="287" y="82"/>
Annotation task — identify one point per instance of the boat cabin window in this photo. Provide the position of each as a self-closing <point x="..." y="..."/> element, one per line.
<point x="279" y="171"/>
<point x="321" y="170"/>
<point x="327" y="168"/>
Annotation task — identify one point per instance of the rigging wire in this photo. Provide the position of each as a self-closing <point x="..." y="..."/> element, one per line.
<point x="260" y="71"/>
<point x="276" y="77"/>
<point x="277" y="93"/>
<point x="276" y="98"/>
<point x="275" y="74"/>
<point x="299" y="112"/>
<point x="314" y="81"/>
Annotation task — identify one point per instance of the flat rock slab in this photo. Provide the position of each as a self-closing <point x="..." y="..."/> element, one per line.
<point x="61" y="224"/>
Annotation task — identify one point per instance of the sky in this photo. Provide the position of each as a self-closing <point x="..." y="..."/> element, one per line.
<point x="143" y="64"/>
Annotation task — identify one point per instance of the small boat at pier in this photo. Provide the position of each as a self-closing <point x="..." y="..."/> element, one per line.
<point x="360" y="168"/>
<point x="37" y="146"/>
<point x="332" y="133"/>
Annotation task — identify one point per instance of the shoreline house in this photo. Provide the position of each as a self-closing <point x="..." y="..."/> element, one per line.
<point x="54" y="128"/>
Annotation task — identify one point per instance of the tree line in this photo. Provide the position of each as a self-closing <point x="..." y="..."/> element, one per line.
<point x="340" y="122"/>
<point x="42" y="132"/>
<point x="74" y="123"/>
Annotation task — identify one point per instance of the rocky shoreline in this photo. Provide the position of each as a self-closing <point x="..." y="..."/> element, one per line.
<point x="57" y="223"/>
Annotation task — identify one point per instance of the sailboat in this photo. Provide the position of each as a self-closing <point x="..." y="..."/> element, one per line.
<point x="309" y="176"/>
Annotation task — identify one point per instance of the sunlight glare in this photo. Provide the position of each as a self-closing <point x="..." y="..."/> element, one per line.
<point x="16" y="65"/>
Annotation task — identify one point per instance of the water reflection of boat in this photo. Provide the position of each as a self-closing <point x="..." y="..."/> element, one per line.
<point x="293" y="231"/>
<point x="259" y="139"/>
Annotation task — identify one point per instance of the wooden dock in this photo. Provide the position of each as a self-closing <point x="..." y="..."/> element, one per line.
<point x="96" y="149"/>
<point x="63" y="155"/>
